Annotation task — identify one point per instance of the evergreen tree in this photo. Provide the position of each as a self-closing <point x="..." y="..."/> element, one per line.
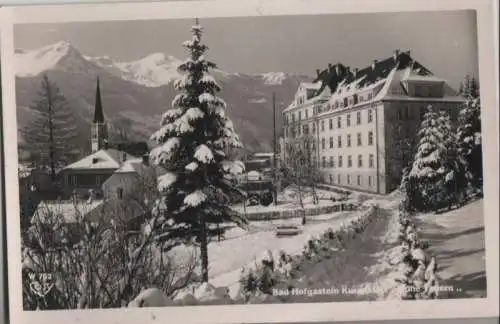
<point x="197" y="185"/>
<point x="469" y="131"/>
<point x="427" y="177"/>
<point x="51" y="136"/>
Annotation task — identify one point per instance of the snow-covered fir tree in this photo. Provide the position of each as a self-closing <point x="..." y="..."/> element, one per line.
<point x="469" y="131"/>
<point x="430" y="168"/>
<point x="196" y="189"/>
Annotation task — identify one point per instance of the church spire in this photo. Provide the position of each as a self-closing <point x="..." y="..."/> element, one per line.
<point x="98" y="114"/>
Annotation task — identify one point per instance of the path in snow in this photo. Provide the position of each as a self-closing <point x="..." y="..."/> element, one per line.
<point x="348" y="268"/>
<point x="457" y="240"/>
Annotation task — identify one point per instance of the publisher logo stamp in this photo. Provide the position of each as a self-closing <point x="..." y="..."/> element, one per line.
<point x="41" y="283"/>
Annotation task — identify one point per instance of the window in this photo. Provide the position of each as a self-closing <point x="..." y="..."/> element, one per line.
<point x="323" y="161"/>
<point x="298" y="130"/>
<point x="355" y="98"/>
<point x="286" y="131"/>
<point x="340" y="161"/>
<point x="322" y="125"/>
<point x="360" y="161"/>
<point x="331" y="142"/>
<point x="400" y="114"/>
<point x="300" y="115"/>
<point x="348" y="179"/>
<point x="370" y="138"/>
<point x="293" y="118"/>
<point x="345" y="102"/>
<point x="370" y="181"/>
<point x="336" y="104"/>
<point x="371" y="163"/>
<point x="119" y="193"/>
<point x="349" y="161"/>
<point x="307" y="113"/>
<point x="338" y="178"/>
<point x="314" y="128"/>
<point x="370" y="95"/>
<point x="305" y="129"/>
<point x="323" y="143"/>
<point x="359" y="139"/>
<point x="348" y="140"/>
<point x="331" y="162"/>
<point x="406" y="113"/>
<point x="348" y="122"/>
<point x="339" y="122"/>
<point x="331" y="123"/>
<point x="370" y="115"/>
<point x="358" y="118"/>
<point x="339" y="141"/>
<point x="331" y="179"/>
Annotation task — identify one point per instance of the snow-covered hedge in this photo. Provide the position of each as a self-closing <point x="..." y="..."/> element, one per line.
<point x="279" y="269"/>
<point x="415" y="269"/>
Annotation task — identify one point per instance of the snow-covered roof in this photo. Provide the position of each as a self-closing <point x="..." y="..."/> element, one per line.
<point x="102" y="159"/>
<point x="425" y="78"/>
<point x="383" y="79"/>
<point x="311" y="85"/>
<point x="68" y="209"/>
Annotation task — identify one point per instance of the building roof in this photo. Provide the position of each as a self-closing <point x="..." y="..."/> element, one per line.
<point x="102" y="159"/>
<point x="384" y="79"/>
<point x="98" y="112"/>
<point x="67" y="209"/>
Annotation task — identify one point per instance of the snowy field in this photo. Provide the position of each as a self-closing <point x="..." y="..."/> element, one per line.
<point x="242" y="247"/>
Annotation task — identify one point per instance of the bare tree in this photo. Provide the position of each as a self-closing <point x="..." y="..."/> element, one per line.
<point x="301" y="169"/>
<point x="101" y="259"/>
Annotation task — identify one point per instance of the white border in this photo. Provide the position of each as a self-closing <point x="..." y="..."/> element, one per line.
<point x="345" y="311"/>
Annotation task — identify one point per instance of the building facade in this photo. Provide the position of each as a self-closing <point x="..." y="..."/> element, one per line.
<point x="364" y="133"/>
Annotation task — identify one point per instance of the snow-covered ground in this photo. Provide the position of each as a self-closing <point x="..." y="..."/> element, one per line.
<point x="288" y="200"/>
<point x="456" y="239"/>
<point x="241" y="248"/>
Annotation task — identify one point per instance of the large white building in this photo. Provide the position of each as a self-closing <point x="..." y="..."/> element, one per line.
<point x="356" y="124"/>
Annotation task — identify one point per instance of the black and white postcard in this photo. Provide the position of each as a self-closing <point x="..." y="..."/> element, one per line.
<point x="262" y="161"/>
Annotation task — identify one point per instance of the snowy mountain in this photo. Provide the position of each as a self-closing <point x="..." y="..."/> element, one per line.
<point x="142" y="90"/>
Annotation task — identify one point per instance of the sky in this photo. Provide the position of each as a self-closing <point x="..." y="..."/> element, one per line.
<point x="445" y="42"/>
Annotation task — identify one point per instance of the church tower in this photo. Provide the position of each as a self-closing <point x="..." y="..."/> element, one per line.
<point x="99" y="128"/>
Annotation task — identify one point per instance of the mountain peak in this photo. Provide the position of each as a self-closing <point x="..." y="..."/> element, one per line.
<point x="34" y="62"/>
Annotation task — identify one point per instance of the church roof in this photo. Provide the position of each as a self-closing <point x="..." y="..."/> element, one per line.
<point x="98" y="112"/>
<point x="102" y="159"/>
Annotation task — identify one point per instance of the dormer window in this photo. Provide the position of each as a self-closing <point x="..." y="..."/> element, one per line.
<point x="95" y="160"/>
<point x="355" y="99"/>
<point x="345" y="102"/>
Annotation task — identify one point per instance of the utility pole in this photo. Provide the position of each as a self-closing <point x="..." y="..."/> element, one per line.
<point x="275" y="164"/>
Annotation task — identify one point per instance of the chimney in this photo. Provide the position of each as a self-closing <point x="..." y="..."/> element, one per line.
<point x="337" y="69"/>
<point x="317" y="72"/>
<point x="145" y="159"/>
<point x="330" y="66"/>
<point x="124" y="156"/>
<point x="355" y="72"/>
<point x="396" y="54"/>
<point x="374" y="64"/>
